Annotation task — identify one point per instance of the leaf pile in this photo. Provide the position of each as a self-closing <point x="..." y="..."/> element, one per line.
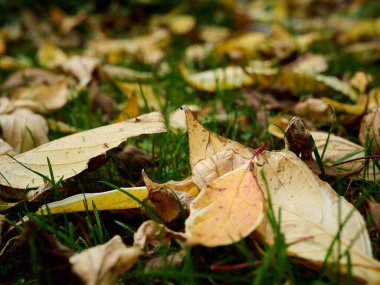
<point x="86" y="90"/>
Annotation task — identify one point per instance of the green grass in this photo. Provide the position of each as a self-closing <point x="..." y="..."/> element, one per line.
<point x="78" y="231"/>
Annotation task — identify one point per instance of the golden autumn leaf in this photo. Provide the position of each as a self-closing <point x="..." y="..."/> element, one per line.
<point x="102" y="264"/>
<point x="227" y="210"/>
<point x="109" y="200"/>
<point x="204" y="143"/>
<point x="312" y="215"/>
<point x="69" y="155"/>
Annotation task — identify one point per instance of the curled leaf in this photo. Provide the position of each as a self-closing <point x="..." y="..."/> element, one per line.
<point x="102" y="264"/>
<point x="369" y="130"/>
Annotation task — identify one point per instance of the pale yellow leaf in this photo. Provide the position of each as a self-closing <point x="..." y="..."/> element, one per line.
<point x="181" y="24"/>
<point x="204" y="143"/>
<point x="314" y="110"/>
<point x="61" y="127"/>
<point x="109" y="200"/>
<point x="177" y="119"/>
<point x="48" y="54"/>
<point x="369" y="130"/>
<point x="125" y="73"/>
<point x="70" y="155"/>
<point x="102" y="264"/>
<point x="23" y="129"/>
<point x="186" y="186"/>
<point x="227" y="210"/>
<point x="311" y="216"/>
<point x="5" y="148"/>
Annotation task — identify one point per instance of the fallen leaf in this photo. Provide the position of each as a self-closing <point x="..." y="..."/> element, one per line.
<point x="181" y="24"/>
<point x="102" y="264"/>
<point x="369" y="130"/>
<point x="134" y="161"/>
<point x="309" y="63"/>
<point x="311" y="216"/>
<point x="69" y="155"/>
<point x="24" y="130"/>
<point x="186" y="186"/>
<point x="61" y="127"/>
<point x="214" y="34"/>
<point x="5" y="148"/>
<point x="130" y="109"/>
<point x="226" y="211"/>
<point x="145" y="94"/>
<point x="124" y="73"/>
<point x="99" y="99"/>
<point x="315" y="110"/>
<point x="204" y="143"/>
<point x="360" y="80"/>
<point x="30" y="76"/>
<point x="48" y="54"/>
<point x="151" y="234"/>
<point x="109" y="200"/>
<point x="166" y="202"/>
<point x="64" y="22"/>
<point x="81" y="67"/>
<point x="42" y="98"/>
<point x="206" y="171"/>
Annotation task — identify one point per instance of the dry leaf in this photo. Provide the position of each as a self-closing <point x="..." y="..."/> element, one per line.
<point x="145" y="94"/>
<point x="61" y="127"/>
<point x="227" y="210"/>
<point x="186" y="186"/>
<point x="130" y="109"/>
<point x="369" y="130"/>
<point x="204" y="143"/>
<point x="315" y="110"/>
<point x="309" y="63"/>
<point x="69" y="155"/>
<point x="48" y="54"/>
<point x="30" y="76"/>
<point x="5" y="148"/>
<point x="42" y="98"/>
<point x="81" y="67"/>
<point x="338" y="148"/>
<point x="64" y="22"/>
<point x="181" y="24"/>
<point x="360" y="80"/>
<point x="99" y="99"/>
<point x="124" y="73"/>
<point x="214" y="34"/>
<point x="109" y="200"/>
<point x="24" y="130"/>
<point x="102" y="264"/>
<point x="206" y="171"/>
<point x="151" y="234"/>
<point x="167" y="201"/>
<point x="311" y="215"/>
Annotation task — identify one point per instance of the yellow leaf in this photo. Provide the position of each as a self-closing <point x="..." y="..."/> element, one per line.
<point x="102" y="264"/>
<point x="70" y="155"/>
<point x="142" y="91"/>
<point x="311" y="216"/>
<point x="48" y="54"/>
<point x="130" y="110"/>
<point x="109" y="200"/>
<point x="204" y="143"/>
<point x="226" y="211"/>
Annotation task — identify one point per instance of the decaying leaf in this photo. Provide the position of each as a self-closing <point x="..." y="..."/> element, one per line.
<point x="5" y="148"/>
<point x="369" y="130"/>
<point x="23" y="129"/>
<point x="99" y="99"/>
<point x="186" y="186"/>
<point x="69" y="156"/>
<point x="177" y="119"/>
<point x="204" y="143"/>
<point x="150" y="234"/>
<point x="313" y="215"/>
<point x="227" y="210"/>
<point x="102" y="264"/>
<point x="109" y="200"/>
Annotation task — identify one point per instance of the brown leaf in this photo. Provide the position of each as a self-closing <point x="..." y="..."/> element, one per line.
<point x="99" y="99"/>
<point x="134" y="160"/>
<point x="369" y="128"/>
<point x="315" y="110"/>
<point x="102" y="264"/>
<point x="24" y="130"/>
<point x="150" y="234"/>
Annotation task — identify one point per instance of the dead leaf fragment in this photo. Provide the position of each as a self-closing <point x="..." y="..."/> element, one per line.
<point x="375" y="213"/>
<point x="150" y="234"/>
<point x="311" y="215"/>
<point x="227" y="210"/>
<point x="70" y="155"/>
<point x="24" y="130"/>
<point x="102" y="264"/>
<point x="315" y="110"/>
<point x="369" y="130"/>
